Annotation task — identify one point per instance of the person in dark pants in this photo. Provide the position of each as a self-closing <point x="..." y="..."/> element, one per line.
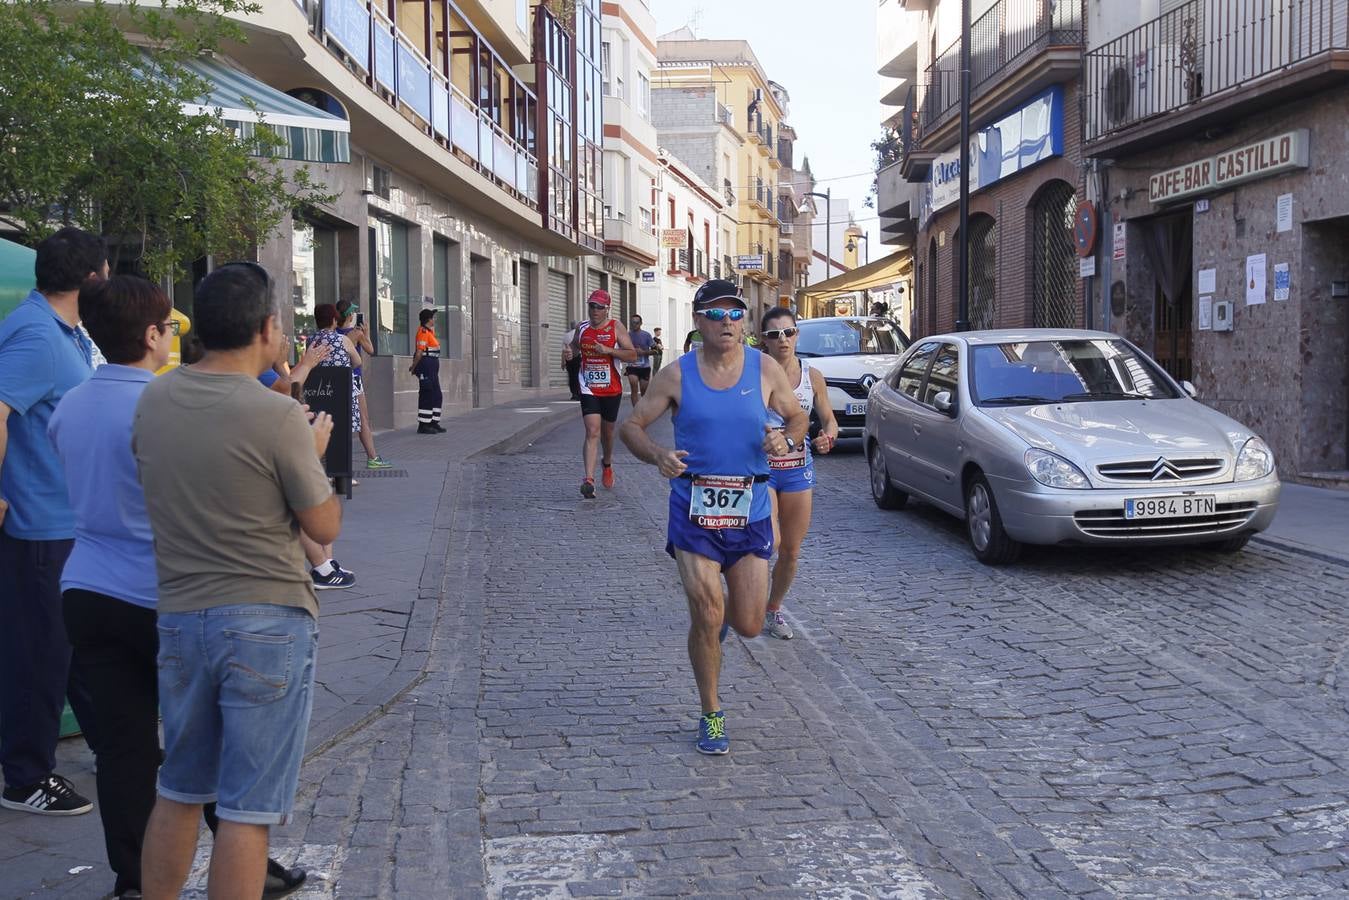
<point x="109" y="583"/>
<point x="43" y="355"/>
<point x="426" y="366"/>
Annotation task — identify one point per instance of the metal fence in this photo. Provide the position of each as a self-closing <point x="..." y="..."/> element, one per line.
<point x="1202" y="49"/>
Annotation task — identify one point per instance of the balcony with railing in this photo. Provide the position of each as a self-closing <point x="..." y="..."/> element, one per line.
<point x="484" y="115"/>
<point x="1209" y="61"/>
<point x="725" y="116"/>
<point x="728" y="190"/>
<point x="754" y="128"/>
<point x="1017" y="48"/>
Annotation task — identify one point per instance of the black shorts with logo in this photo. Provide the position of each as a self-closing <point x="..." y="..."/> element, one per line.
<point x="642" y="372"/>
<point x="605" y="407"/>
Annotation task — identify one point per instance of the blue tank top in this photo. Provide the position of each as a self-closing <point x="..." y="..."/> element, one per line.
<point x="722" y="431"/>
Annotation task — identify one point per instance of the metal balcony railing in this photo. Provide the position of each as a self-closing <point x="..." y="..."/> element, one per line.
<point x="1201" y="50"/>
<point x="1011" y="33"/>
<point x="729" y="190"/>
<point x="725" y="116"/>
<point x="396" y="70"/>
<point x="699" y="264"/>
<point x="682" y="261"/>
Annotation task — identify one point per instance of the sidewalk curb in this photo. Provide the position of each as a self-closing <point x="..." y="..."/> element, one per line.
<point x="527" y="435"/>
<point x="1278" y="544"/>
<point x="410" y="670"/>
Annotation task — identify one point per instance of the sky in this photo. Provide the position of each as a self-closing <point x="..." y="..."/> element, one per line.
<point x="827" y="63"/>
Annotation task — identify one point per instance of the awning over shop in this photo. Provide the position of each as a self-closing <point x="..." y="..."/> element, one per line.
<point x="16" y="275"/>
<point x="310" y="134"/>
<point x="882" y="273"/>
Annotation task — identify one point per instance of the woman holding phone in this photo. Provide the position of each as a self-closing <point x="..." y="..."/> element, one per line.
<point x="352" y="325"/>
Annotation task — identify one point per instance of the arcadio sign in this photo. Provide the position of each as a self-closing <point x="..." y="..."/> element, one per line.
<point x="1280" y="153"/>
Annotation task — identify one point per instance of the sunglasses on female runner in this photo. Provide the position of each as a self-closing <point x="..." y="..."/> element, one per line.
<point x="777" y="334"/>
<point x="718" y="314"/>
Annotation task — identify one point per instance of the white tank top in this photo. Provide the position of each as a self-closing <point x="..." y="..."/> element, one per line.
<point x="805" y="395"/>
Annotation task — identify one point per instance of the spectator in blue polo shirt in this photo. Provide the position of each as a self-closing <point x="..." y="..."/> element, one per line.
<point x="43" y="354"/>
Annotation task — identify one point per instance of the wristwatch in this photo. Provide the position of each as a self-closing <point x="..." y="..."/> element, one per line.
<point x="791" y="444"/>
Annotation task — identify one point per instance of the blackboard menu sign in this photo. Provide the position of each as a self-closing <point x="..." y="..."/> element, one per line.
<point x="328" y="389"/>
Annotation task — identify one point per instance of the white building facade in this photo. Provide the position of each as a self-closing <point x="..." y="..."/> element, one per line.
<point x="628" y="58"/>
<point x="684" y="203"/>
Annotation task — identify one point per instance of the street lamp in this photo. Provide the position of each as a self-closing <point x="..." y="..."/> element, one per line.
<point x="828" y="228"/>
<point x="866" y="246"/>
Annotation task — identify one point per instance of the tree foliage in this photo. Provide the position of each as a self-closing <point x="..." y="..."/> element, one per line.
<point x="885" y="150"/>
<point x="94" y="133"/>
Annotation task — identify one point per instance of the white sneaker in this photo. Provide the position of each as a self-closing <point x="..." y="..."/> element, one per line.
<point x="776" y="626"/>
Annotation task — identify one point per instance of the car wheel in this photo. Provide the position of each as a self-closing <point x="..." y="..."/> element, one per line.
<point x="990" y="542"/>
<point x="1231" y="545"/>
<point x="882" y="491"/>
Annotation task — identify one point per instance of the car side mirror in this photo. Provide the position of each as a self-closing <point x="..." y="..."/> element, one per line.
<point x="1189" y="389"/>
<point x="944" y="404"/>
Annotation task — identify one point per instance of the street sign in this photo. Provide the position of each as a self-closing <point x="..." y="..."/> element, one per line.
<point x="648" y="276"/>
<point x="1084" y="228"/>
<point x="751" y="263"/>
<point x="674" y="238"/>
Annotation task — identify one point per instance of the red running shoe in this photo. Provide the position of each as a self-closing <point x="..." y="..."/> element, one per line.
<point x="607" y="477"/>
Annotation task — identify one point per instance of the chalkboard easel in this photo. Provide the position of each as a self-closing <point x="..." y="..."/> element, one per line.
<point x="328" y="389"/>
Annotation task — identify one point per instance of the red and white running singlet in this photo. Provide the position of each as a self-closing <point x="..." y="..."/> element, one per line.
<point x="599" y="373"/>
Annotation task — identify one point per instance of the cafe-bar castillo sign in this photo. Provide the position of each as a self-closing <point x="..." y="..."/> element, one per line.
<point x="1280" y="153"/>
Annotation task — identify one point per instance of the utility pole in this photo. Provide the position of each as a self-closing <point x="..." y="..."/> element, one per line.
<point x="963" y="264"/>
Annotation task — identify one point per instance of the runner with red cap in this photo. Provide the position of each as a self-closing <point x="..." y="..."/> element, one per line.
<point x="600" y="342"/>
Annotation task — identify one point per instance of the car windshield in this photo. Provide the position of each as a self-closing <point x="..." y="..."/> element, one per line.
<point x="1068" y="371"/>
<point x="848" y="337"/>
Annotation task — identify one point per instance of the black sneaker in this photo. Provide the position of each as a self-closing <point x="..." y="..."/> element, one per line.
<point x="440" y="429"/>
<point x="52" y="796"/>
<point x="337" y="567"/>
<point x="334" y="580"/>
<point x="426" y="428"/>
<point x="282" y="881"/>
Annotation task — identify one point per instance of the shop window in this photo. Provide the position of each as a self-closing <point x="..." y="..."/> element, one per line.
<point x="394" y="318"/>
<point x="983" y="271"/>
<point x="1054" y="255"/>
<point x="449" y="297"/>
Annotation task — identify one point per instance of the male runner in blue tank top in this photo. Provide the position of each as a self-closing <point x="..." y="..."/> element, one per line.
<point x="720" y="515"/>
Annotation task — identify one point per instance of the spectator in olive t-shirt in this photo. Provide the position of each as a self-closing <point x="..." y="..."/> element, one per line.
<point x="231" y="473"/>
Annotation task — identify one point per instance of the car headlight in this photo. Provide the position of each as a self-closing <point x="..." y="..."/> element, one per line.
<point x="1254" y="461"/>
<point x="1055" y="471"/>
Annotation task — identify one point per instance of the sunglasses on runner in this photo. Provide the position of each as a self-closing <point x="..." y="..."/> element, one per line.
<point x="717" y="314"/>
<point x="777" y="334"/>
<point x="598" y="305"/>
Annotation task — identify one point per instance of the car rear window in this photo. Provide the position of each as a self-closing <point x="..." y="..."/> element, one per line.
<point x="848" y="337"/>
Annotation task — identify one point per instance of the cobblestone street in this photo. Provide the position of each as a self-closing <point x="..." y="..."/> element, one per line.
<point x="1141" y="724"/>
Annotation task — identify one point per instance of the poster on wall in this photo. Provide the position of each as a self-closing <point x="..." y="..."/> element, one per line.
<point x="1118" y="239"/>
<point x="1207" y="282"/>
<point x="1284" y="212"/>
<point x="1255" y="279"/>
<point x="1086" y="266"/>
<point x="1205" y="313"/>
<point x="1282" y="281"/>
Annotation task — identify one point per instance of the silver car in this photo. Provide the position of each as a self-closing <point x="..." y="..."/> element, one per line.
<point x="852" y="353"/>
<point x="1049" y="436"/>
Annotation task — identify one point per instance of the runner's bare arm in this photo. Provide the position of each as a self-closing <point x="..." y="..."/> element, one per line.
<point x="829" y="433"/>
<point x="660" y="397"/>
<point x="781" y="398"/>
<point x="352" y="352"/>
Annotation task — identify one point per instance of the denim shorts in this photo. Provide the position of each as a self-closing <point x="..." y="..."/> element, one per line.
<point x="236" y="686"/>
<point x="792" y="481"/>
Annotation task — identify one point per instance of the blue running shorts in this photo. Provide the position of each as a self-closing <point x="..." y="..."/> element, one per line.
<point x="725" y="546"/>
<point x="792" y="481"/>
